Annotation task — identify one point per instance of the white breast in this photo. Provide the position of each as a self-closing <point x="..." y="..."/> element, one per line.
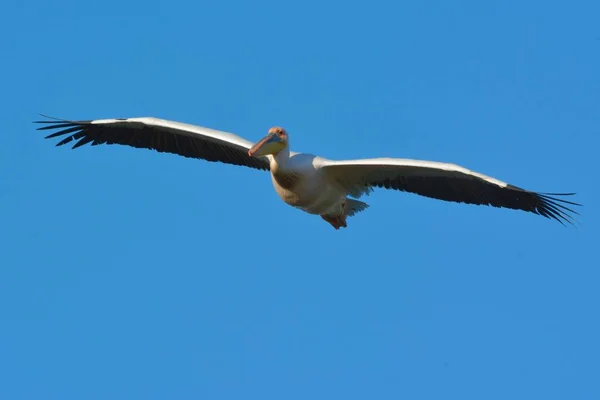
<point x="299" y="184"/>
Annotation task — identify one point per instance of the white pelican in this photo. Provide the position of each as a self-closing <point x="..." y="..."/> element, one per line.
<point x="313" y="184"/>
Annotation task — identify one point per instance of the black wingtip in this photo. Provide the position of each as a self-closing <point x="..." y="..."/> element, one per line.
<point x="551" y="197"/>
<point x="553" y="207"/>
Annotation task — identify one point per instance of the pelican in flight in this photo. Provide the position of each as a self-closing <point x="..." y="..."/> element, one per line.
<point x="311" y="183"/>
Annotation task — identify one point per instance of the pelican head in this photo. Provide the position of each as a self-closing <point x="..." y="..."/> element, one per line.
<point x="275" y="141"/>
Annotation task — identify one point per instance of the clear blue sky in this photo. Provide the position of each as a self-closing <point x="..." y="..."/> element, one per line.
<point x="130" y="274"/>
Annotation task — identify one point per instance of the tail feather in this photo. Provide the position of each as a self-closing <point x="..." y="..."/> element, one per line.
<point x="353" y="207"/>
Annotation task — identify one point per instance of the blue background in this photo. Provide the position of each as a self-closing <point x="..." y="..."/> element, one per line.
<point x="132" y="274"/>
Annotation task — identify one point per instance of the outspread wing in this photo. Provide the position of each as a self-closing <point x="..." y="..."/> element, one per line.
<point x="160" y="135"/>
<point x="443" y="181"/>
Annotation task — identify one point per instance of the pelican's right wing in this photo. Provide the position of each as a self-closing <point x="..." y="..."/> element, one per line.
<point x="160" y="135"/>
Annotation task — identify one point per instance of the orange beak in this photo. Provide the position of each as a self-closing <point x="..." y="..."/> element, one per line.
<point x="270" y="144"/>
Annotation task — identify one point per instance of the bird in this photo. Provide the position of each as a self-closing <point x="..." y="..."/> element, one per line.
<point x="316" y="185"/>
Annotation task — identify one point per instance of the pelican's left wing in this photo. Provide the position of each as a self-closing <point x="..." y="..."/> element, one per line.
<point x="161" y="135"/>
<point x="449" y="182"/>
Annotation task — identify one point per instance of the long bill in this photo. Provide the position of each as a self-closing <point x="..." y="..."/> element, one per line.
<point x="270" y="144"/>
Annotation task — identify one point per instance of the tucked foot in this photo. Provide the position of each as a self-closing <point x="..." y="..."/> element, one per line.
<point x="336" y="222"/>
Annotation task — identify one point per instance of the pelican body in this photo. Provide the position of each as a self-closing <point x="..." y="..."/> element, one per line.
<point x="313" y="184"/>
<point x="300" y="182"/>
